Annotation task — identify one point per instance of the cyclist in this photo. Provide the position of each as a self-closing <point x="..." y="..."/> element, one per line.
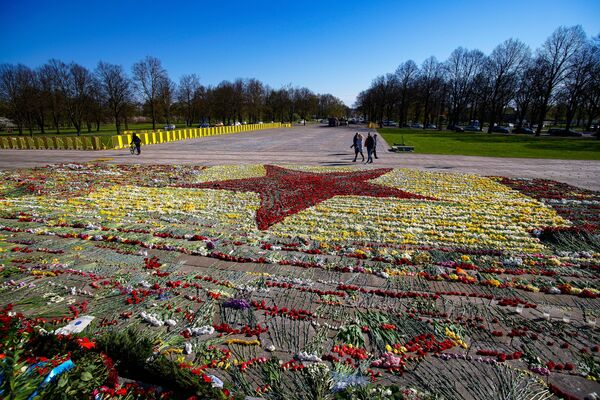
<point x="135" y="140"/>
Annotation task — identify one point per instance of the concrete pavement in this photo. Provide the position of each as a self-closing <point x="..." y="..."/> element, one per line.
<point x="311" y="145"/>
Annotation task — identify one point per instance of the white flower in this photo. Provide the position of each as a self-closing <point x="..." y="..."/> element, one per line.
<point x="304" y="356"/>
<point x="151" y="319"/>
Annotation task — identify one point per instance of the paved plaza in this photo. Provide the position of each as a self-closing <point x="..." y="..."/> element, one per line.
<point x="312" y="145"/>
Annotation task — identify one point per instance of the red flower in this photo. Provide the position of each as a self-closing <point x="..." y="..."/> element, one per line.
<point x="85" y="343"/>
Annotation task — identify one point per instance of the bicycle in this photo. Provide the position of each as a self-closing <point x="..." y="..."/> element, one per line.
<point x="133" y="148"/>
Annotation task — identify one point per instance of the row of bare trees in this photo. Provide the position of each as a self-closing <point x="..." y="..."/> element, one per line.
<point x="561" y="79"/>
<point x="57" y="95"/>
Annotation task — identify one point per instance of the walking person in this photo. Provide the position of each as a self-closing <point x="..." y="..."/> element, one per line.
<point x="370" y="144"/>
<point x="375" y="146"/>
<point x="357" y="144"/>
<point x="135" y="140"/>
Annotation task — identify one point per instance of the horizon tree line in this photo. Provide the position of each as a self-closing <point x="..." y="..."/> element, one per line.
<point x="57" y="95"/>
<point x="560" y="80"/>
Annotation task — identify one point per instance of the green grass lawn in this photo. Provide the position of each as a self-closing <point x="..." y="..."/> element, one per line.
<point x="494" y="145"/>
<point x="105" y="129"/>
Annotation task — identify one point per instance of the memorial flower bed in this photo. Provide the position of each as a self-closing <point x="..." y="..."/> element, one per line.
<point x="294" y="282"/>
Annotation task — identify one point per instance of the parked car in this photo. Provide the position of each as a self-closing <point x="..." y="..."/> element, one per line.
<point x="389" y="123"/>
<point x="169" y="127"/>
<point x="500" y="129"/>
<point x="416" y="125"/>
<point x="527" y="131"/>
<point x="563" y="132"/>
<point x="343" y="122"/>
<point x="471" y="128"/>
<point x="431" y="126"/>
<point x="455" y="128"/>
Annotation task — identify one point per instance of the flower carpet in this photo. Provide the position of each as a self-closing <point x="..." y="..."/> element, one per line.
<point x="295" y="282"/>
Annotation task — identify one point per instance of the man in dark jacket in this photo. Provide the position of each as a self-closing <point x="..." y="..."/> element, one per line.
<point x="375" y="146"/>
<point x="370" y="144"/>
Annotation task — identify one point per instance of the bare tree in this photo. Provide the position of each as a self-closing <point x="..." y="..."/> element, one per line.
<point x="330" y="106"/>
<point x="306" y="103"/>
<point x="254" y="99"/>
<point x="556" y="55"/>
<point x="53" y="74"/>
<point x="461" y="68"/>
<point x="430" y="81"/>
<point x="17" y="85"/>
<point x="166" y="97"/>
<point x="504" y="66"/>
<point x="148" y="76"/>
<point x="115" y="88"/>
<point x="78" y="88"/>
<point x="577" y="80"/>
<point x="237" y="100"/>
<point x="186" y="95"/>
<point x="406" y="74"/>
<point x="528" y="90"/>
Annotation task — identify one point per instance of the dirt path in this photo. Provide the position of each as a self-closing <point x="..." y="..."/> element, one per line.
<point x="312" y="145"/>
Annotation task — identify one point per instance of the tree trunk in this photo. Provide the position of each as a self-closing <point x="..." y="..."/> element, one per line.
<point x="56" y="122"/>
<point x="153" y="114"/>
<point x="543" y="112"/>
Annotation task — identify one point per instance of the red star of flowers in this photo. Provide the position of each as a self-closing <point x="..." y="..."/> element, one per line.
<point x="285" y="192"/>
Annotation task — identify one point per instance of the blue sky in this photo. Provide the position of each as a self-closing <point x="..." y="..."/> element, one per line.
<point x="329" y="46"/>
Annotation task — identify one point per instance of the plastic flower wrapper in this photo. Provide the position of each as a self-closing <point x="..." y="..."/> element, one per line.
<point x="237" y="304"/>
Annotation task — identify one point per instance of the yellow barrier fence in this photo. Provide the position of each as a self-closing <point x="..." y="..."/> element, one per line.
<point x="107" y="142"/>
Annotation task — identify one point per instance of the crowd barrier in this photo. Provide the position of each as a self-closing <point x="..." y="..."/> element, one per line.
<point x="107" y="142"/>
